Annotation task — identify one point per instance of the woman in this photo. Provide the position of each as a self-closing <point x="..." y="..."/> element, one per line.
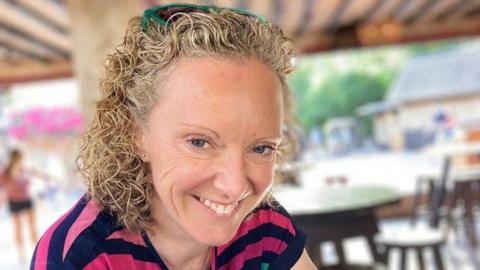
<point x="181" y="154"/>
<point x="15" y="183"/>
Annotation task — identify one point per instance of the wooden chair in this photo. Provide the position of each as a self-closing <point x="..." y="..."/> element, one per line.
<point x="419" y="238"/>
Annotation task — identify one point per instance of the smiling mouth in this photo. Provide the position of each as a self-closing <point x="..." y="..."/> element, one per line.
<point x="218" y="208"/>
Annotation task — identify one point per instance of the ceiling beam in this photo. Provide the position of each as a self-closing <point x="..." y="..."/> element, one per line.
<point x="399" y="8"/>
<point x="241" y="4"/>
<point x="421" y="11"/>
<point x="372" y="11"/>
<point x="21" y="22"/>
<point x="440" y="7"/>
<point x="306" y="17"/>
<point x="464" y="11"/>
<point x="17" y="43"/>
<point x="453" y="9"/>
<point x="278" y="10"/>
<point x="355" y="12"/>
<point x="48" y="10"/>
<point x="336" y="19"/>
<point x="416" y="33"/>
<point x="25" y="71"/>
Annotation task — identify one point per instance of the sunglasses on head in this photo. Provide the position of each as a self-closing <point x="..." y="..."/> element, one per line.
<point x="165" y="14"/>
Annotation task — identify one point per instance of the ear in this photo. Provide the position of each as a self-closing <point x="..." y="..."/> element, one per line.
<point x="140" y="143"/>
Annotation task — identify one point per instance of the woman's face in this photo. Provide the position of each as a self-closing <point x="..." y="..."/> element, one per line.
<point x="210" y="144"/>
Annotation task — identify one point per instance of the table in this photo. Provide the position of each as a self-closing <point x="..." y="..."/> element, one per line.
<point x="335" y="213"/>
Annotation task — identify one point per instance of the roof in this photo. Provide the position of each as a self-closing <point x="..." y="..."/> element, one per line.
<point x="35" y="41"/>
<point x="373" y="108"/>
<point x="441" y="75"/>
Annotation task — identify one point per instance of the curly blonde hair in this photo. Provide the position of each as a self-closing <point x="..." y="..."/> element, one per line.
<point x="114" y="172"/>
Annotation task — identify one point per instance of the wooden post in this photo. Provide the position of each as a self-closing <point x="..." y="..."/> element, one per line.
<point x="97" y="28"/>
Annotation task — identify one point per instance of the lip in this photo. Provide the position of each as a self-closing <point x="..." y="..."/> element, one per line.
<point x="213" y="213"/>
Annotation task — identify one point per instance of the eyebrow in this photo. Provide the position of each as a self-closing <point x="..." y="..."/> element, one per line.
<point x="277" y="138"/>
<point x="204" y="128"/>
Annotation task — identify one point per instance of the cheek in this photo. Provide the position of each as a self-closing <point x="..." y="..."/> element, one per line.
<point x="177" y="175"/>
<point x="263" y="178"/>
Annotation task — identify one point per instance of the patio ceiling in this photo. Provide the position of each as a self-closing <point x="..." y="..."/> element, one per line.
<point x="35" y="42"/>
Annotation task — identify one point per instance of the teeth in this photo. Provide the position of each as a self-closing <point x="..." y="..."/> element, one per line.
<point x="220" y="209"/>
<point x="229" y="209"/>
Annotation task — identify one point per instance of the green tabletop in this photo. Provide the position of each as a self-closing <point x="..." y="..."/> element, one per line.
<point x="332" y="200"/>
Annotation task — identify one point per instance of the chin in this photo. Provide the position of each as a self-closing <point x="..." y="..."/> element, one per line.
<point x="215" y="237"/>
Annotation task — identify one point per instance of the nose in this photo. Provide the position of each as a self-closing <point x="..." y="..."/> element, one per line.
<point x="232" y="180"/>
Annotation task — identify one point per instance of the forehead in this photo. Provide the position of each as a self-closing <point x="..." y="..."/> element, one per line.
<point x="225" y="90"/>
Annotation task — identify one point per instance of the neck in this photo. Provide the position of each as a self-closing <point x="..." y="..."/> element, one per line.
<point x="175" y="246"/>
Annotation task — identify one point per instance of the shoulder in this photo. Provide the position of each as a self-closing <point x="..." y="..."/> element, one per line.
<point x="268" y="236"/>
<point x="76" y="232"/>
<point x="60" y="237"/>
<point x="88" y="238"/>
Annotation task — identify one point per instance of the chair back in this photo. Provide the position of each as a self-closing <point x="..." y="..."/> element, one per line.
<point x="439" y="192"/>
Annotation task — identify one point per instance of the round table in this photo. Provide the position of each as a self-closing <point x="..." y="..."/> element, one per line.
<point x="336" y="213"/>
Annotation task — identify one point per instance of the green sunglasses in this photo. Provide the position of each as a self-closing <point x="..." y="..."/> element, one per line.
<point x="163" y="14"/>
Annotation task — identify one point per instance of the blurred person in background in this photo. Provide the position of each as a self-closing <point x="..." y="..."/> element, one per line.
<point x="15" y="182"/>
<point x="179" y="160"/>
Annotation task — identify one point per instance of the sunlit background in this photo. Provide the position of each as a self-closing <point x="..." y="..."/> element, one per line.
<point x="384" y="89"/>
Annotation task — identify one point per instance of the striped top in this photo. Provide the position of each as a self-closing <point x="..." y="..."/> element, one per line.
<point x="87" y="238"/>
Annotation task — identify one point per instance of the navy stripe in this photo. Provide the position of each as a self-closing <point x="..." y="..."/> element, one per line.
<point x="291" y="254"/>
<point x="32" y="262"/>
<point x="253" y="264"/>
<point x="268" y="256"/>
<point x="83" y="249"/>
<point x="57" y="241"/>
<point x="154" y="252"/>
<point x="253" y="236"/>
<point x="120" y="246"/>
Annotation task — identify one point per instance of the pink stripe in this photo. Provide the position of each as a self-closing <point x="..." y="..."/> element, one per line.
<point x="128" y="236"/>
<point x="259" y="218"/>
<point x="119" y="262"/>
<point x="84" y="220"/>
<point x="255" y="250"/>
<point x="44" y="243"/>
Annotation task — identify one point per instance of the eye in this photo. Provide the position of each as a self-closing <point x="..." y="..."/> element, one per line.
<point x="263" y="149"/>
<point x="199" y="142"/>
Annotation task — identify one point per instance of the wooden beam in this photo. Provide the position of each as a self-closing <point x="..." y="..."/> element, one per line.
<point x="385" y="10"/>
<point x="357" y="10"/>
<point x="464" y="10"/>
<point x="453" y="9"/>
<point x="277" y="11"/>
<point x="421" y="11"/>
<point x="306" y="17"/>
<point x="242" y="4"/>
<point x="21" y="22"/>
<point x="372" y="11"/>
<point x="17" y="43"/>
<point x="25" y="71"/>
<point x="441" y="7"/>
<point x="336" y="19"/>
<point x="399" y="9"/>
<point x="48" y="10"/>
<point x="416" y="33"/>
<point x="322" y="11"/>
<point x="474" y="12"/>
